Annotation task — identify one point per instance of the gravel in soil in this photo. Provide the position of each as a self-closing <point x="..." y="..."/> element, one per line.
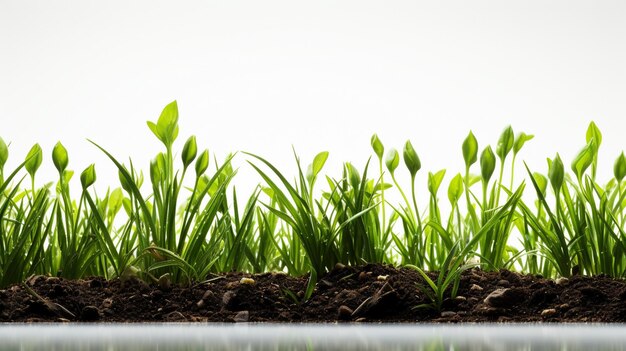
<point x="369" y="293"/>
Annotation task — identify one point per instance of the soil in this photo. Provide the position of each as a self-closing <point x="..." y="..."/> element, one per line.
<point x="369" y="293"/>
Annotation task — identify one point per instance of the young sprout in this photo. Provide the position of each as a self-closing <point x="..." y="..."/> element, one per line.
<point x="619" y="168"/>
<point x="202" y="163"/>
<point x="556" y="174"/>
<point x="59" y="157"/>
<point x="470" y="156"/>
<point x="584" y="159"/>
<point x="593" y="133"/>
<point x="505" y="145"/>
<point x="379" y="150"/>
<point x="487" y="166"/>
<point x="88" y="176"/>
<point x="4" y="155"/>
<point x="520" y="140"/>
<point x="33" y="161"/>
<point x="413" y="164"/>
<point x="189" y="152"/>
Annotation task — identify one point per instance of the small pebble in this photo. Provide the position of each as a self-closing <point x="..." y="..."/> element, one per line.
<point x="360" y="319"/>
<point x="548" y="312"/>
<point x="504" y="283"/>
<point x="242" y="317"/>
<point x="461" y="298"/>
<point x="476" y="287"/>
<point x="382" y="277"/>
<point x="448" y="314"/>
<point x="248" y="281"/>
<point x="500" y="298"/>
<point x="107" y="303"/>
<point x="339" y="266"/>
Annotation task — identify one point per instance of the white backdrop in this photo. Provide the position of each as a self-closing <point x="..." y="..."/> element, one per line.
<point x="262" y="76"/>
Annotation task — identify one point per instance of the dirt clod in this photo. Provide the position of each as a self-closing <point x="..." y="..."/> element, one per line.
<point x="344" y="313"/>
<point x="89" y="313"/>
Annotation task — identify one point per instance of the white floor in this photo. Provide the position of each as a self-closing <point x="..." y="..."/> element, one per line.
<point x="113" y="337"/>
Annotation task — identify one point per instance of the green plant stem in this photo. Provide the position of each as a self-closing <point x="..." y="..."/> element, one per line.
<point x="500" y="183"/>
<point x="512" y="169"/>
<point x="382" y="195"/>
<point x="406" y="200"/>
<point x="417" y="212"/>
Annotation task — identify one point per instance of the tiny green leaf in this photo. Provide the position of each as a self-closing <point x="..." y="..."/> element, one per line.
<point x="434" y="181"/>
<point x="378" y="147"/>
<point x="541" y="180"/>
<point x="556" y="173"/>
<point x="411" y="159"/>
<point x="593" y="132"/>
<point x="154" y="129"/>
<point x="190" y="149"/>
<point x="124" y="182"/>
<point x="59" y="157"/>
<point x="115" y="202"/>
<point x="619" y="168"/>
<point x="520" y="140"/>
<point x="202" y="163"/>
<point x="155" y="171"/>
<point x="4" y="153"/>
<point x="470" y="149"/>
<point x="33" y="160"/>
<point x="166" y="128"/>
<point x="487" y="164"/>
<point x="392" y="160"/>
<point x="318" y="162"/>
<point x="88" y="177"/>
<point x="455" y="189"/>
<point x="583" y="160"/>
<point x="505" y="143"/>
<point x="353" y="175"/>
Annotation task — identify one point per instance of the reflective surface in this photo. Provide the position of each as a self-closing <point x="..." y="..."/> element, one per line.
<point x="179" y="337"/>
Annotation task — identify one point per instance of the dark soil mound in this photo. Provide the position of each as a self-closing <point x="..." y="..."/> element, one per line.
<point x="370" y="293"/>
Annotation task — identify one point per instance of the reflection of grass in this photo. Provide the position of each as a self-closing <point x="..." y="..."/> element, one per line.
<point x="188" y="221"/>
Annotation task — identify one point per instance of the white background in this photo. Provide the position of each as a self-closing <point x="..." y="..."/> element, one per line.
<point x="262" y="76"/>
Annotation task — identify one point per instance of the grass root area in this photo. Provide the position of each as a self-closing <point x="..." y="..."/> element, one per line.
<point x="371" y="293"/>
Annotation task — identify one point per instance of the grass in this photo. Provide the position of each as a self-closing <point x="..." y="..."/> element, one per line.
<point x="188" y="221"/>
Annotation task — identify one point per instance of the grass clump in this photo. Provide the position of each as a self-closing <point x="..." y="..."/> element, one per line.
<point x="188" y="220"/>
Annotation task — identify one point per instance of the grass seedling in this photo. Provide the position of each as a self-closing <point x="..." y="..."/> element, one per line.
<point x="455" y="263"/>
<point x="186" y="222"/>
